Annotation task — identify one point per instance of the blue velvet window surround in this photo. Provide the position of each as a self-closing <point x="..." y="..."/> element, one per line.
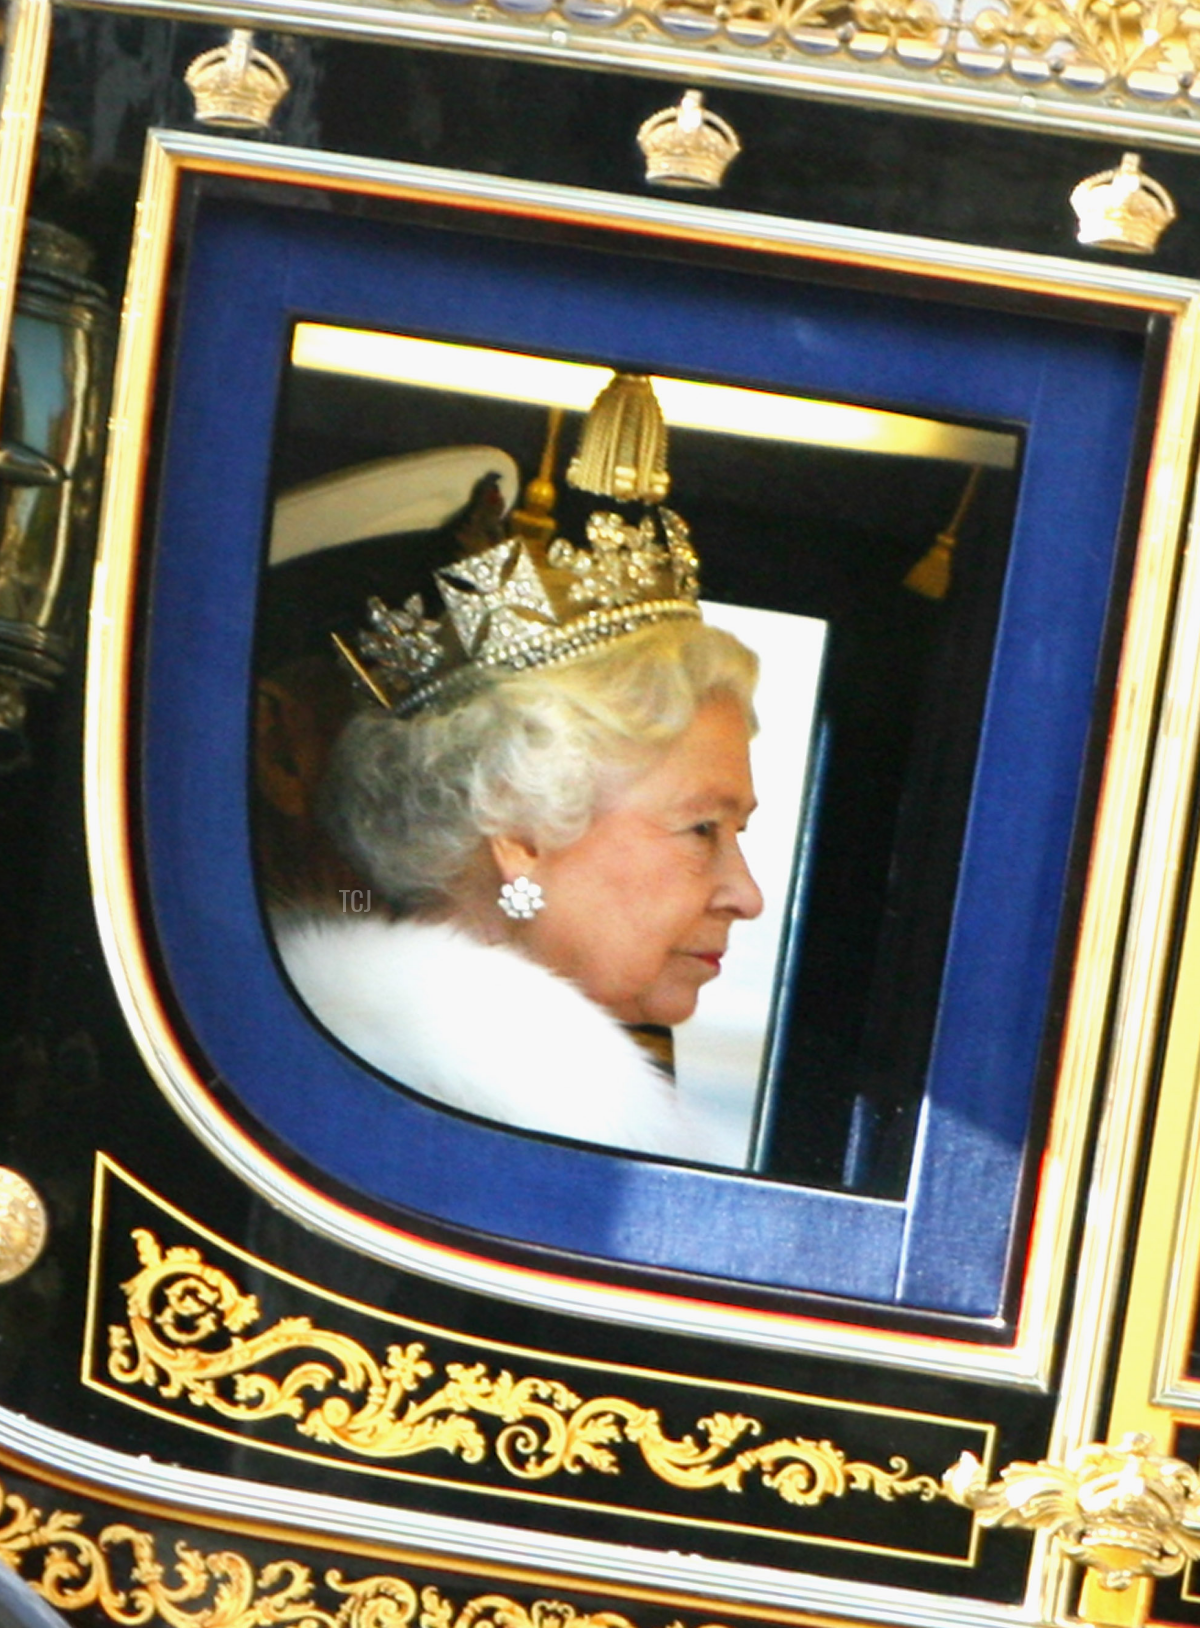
<point x="252" y="269"/>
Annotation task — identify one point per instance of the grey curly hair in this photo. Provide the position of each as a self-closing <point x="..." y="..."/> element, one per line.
<point x="412" y="802"/>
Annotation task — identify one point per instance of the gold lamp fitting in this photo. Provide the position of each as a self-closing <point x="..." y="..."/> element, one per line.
<point x="1122" y="209"/>
<point x="236" y="86"/>
<point x="688" y="145"/>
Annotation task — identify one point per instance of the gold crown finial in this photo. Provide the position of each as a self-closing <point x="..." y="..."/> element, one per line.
<point x="1122" y="209"/>
<point x="236" y="85"/>
<point x="510" y="603"/>
<point x="688" y="145"/>
<point x="535" y="518"/>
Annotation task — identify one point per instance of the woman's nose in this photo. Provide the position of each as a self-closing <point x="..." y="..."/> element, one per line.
<point x="740" y="892"/>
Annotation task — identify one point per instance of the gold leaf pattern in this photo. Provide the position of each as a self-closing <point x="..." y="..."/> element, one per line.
<point x="1068" y="50"/>
<point x="119" y="1571"/>
<point x="184" y="1339"/>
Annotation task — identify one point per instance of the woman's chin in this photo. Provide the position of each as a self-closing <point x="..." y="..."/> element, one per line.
<point x="664" y="1011"/>
<point x="668" y="1000"/>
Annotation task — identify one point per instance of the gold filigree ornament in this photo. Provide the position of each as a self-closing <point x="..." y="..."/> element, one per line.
<point x="119" y="1572"/>
<point x="1122" y="209"/>
<point x="185" y="1340"/>
<point x="898" y="21"/>
<point x="1122" y="1510"/>
<point x="688" y="145"/>
<point x="23" y="1226"/>
<point x="236" y="86"/>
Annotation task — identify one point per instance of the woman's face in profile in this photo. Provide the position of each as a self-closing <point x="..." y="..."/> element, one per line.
<point x="638" y="910"/>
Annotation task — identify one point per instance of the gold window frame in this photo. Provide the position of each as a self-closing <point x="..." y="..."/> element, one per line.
<point x="1157" y="1388"/>
<point x="1156" y="1385"/>
<point x="1160" y="644"/>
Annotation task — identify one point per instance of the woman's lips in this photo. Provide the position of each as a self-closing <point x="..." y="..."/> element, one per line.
<point x="710" y="958"/>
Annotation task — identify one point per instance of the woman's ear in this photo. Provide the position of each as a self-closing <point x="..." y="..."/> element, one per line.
<point x="514" y="856"/>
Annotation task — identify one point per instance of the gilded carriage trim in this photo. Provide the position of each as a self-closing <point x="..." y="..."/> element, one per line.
<point x="1121" y="1509"/>
<point x="1189" y="1584"/>
<point x="111" y="1177"/>
<point x="44" y="1464"/>
<point x="23" y="1225"/>
<point x="120" y="1573"/>
<point x="179" y="1305"/>
<point x="1069" y="51"/>
<point x="1086" y="67"/>
<point x="26" y="50"/>
<point x="786" y="1471"/>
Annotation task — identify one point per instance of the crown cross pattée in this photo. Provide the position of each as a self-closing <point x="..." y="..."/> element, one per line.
<point x="494" y="597"/>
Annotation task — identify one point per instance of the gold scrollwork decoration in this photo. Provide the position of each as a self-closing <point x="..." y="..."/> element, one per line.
<point x="1121" y="1509"/>
<point x="185" y="1339"/>
<point x="120" y="1572"/>
<point x="1146" y="49"/>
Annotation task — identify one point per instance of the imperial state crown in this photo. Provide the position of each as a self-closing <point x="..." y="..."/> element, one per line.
<point x="511" y="602"/>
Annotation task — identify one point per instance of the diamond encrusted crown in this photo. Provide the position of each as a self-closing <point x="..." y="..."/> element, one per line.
<point x="509" y="610"/>
<point x="688" y="145"/>
<point x="1122" y="209"/>
<point x="236" y="85"/>
<point x="512" y="602"/>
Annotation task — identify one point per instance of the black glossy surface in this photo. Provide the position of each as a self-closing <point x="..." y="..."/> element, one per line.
<point x="72" y="1079"/>
<point x="263" y="1572"/>
<point x="806" y="159"/>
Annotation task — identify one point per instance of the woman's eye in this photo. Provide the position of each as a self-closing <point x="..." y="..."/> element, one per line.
<point x="705" y="828"/>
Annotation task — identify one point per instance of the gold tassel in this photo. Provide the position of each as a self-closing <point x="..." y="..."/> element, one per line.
<point x="623" y="444"/>
<point x="930" y="576"/>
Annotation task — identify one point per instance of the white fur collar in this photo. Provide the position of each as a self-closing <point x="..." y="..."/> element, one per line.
<point x="480" y="1027"/>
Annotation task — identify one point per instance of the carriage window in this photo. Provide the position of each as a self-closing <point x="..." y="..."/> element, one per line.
<point x="858" y="552"/>
<point x="850" y="949"/>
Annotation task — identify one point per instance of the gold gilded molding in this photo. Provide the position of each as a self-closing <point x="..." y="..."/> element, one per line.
<point x="179" y="1304"/>
<point x="1121" y="72"/>
<point x="938" y="1533"/>
<point x="26" y="52"/>
<point x="120" y="1573"/>
<point x="1122" y="1510"/>
<point x="1075" y="53"/>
